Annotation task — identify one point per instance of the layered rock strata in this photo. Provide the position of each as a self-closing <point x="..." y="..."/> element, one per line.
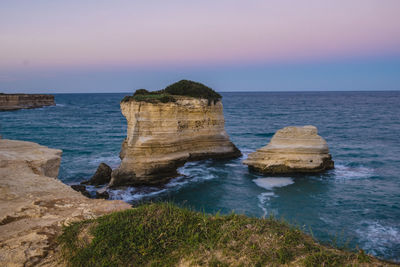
<point x="34" y="205"/>
<point x="163" y="136"/>
<point x="292" y="150"/>
<point x="22" y="101"/>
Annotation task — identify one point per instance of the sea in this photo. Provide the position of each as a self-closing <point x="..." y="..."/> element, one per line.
<point x="355" y="205"/>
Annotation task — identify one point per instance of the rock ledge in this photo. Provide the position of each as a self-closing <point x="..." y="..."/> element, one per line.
<point x="34" y="205"/>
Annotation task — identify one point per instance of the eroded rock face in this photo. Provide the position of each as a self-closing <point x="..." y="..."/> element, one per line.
<point x="163" y="136"/>
<point x="21" y="101"/>
<point x="292" y="150"/>
<point x="34" y="204"/>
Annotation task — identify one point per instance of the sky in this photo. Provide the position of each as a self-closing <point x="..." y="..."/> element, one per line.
<point x="73" y="46"/>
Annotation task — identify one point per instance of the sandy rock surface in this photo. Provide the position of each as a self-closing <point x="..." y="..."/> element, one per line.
<point x="34" y="204"/>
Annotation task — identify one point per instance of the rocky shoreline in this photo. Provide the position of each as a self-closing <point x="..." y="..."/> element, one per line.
<point x="34" y="204"/>
<point x="25" y="101"/>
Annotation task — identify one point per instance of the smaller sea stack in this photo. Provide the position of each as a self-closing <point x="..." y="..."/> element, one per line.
<point x="292" y="150"/>
<point x="24" y="101"/>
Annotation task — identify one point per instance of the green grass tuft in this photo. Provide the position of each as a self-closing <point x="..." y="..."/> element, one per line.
<point x="193" y="89"/>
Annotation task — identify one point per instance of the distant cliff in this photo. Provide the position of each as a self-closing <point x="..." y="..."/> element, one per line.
<point x="165" y="131"/>
<point x="22" y="101"/>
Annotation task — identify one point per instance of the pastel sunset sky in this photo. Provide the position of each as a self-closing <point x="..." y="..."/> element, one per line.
<point x="231" y="45"/>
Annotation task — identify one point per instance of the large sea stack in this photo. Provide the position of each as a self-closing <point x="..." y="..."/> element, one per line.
<point x="292" y="150"/>
<point x="23" y="101"/>
<point x="184" y="122"/>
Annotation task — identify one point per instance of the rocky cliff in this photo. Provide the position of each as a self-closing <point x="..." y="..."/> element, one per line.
<point x="34" y="205"/>
<point x="163" y="136"/>
<point x="21" y="101"/>
<point x="292" y="150"/>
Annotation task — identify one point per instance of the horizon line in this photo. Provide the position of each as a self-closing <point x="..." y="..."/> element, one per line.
<point x="259" y="91"/>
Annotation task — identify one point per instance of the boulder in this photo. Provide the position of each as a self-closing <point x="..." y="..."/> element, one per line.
<point x="101" y="176"/>
<point x="292" y="150"/>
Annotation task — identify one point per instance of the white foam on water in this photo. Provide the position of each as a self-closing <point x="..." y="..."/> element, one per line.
<point x="245" y="153"/>
<point x="273" y="182"/>
<point x="347" y="172"/>
<point x="270" y="183"/>
<point x="60" y="105"/>
<point x="197" y="173"/>
<point x="232" y="165"/>
<point x="263" y="201"/>
<point x="191" y="173"/>
<point x="378" y="237"/>
<point x="131" y="194"/>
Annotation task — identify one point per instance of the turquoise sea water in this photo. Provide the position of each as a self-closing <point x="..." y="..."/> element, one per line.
<point x="358" y="202"/>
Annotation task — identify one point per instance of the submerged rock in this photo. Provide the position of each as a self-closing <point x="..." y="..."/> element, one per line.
<point x="162" y="136"/>
<point x="292" y="150"/>
<point x="101" y="176"/>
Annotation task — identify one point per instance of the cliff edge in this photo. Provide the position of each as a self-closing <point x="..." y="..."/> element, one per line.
<point x="34" y="205"/>
<point x="25" y="101"/>
<point x="165" y="131"/>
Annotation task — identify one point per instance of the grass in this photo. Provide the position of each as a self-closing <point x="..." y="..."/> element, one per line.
<point x="163" y="234"/>
<point x="181" y="88"/>
<point x="150" y="98"/>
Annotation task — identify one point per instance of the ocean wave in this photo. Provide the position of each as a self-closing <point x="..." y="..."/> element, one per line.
<point x="233" y="165"/>
<point x="132" y="194"/>
<point x="195" y="172"/>
<point x="191" y="173"/>
<point x="349" y="172"/>
<point x="378" y="238"/>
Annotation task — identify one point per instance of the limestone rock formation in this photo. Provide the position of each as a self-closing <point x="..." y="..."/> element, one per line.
<point x="21" y="101"/>
<point x="34" y="205"/>
<point x="292" y="150"/>
<point x="163" y="136"/>
<point x="101" y="176"/>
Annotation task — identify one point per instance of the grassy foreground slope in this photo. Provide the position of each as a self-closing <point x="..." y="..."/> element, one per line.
<point x="163" y="234"/>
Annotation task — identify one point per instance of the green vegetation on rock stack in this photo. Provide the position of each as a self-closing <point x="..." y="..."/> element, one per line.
<point x="181" y="88"/>
<point x="163" y="234"/>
